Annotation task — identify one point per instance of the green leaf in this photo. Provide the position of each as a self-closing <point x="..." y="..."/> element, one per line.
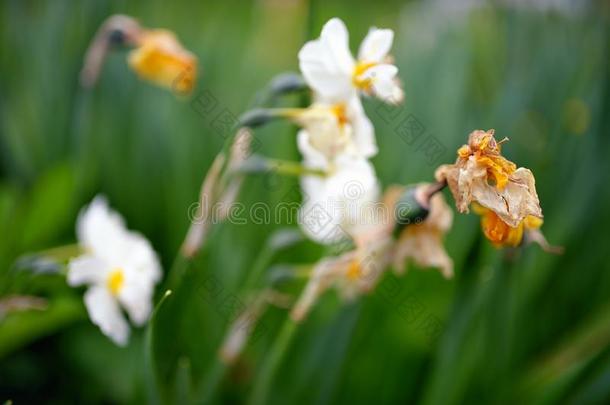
<point x="50" y="208"/>
<point x="153" y="380"/>
<point x="19" y="329"/>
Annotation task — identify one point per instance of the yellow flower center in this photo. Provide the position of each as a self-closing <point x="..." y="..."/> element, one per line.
<point x="115" y="281"/>
<point x="486" y="151"/>
<point x="353" y="271"/>
<point x="359" y="81"/>
<point x="339" y="112"/>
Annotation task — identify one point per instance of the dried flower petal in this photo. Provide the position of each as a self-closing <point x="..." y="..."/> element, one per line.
<point x="503" y="235"/>
<point x="482" y="175"/>
<point x="423" y="242"/>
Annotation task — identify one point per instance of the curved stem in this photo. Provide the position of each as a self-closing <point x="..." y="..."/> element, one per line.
<point x="263" y="383"/>
<point x="220" y="367"/>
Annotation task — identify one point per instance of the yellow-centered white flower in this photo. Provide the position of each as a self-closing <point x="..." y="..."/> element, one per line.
<point x="335" y="206"/>
<point x="119" y="266"/>
<point x="334" y="129"/>
<point x="332" y="72"/>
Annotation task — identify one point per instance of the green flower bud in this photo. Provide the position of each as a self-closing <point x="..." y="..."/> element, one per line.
<point x="410" y="209"/>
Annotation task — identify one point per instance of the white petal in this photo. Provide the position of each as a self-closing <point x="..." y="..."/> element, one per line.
<point x="137" y="253"/>
<point x="99" y="229"/>
<point x="312" y="157"/>
<point x="327" y="64"/>
<point x="384" y="83"/>
<point x="337" y="204"/>
<point x="326" y="134"/>
<point x="136" y="295"/>
<point x="103" y="233"/>
<point x="335" y="36"/>
<point x="363" y="130"/>
<point x="86" y="270"/>
<point x="376" y="45"/>
<point x="325" y="138"/>
<point x="318" y="223"/>
<point x="105" y="312"/>
<point x="398" y="95"/>
<point x="322" y="74"/>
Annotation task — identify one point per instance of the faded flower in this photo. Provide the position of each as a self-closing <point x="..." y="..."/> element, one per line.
<point x="483" y="175"/>
<point x="160" y="58"/>
<point x="423" y="241"/>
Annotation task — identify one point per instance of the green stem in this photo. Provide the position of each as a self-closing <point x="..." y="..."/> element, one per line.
<point x="219" y="368"/>
<point x="212" y="381"/>
<point x="289" y="168"/>
<point x="176" y="272"/>
<point x="152" y="390"/>
<point x="259" y="164"/>
<point x="262" y="384"/>
<point x="261" y="263"/>
<point x="285" y="337"/>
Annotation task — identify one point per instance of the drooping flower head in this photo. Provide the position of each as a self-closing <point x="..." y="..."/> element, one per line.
<point x="483" y="175"/>
<point x="160" y="58"/>
<point x="157" y="55"/>
<point x="502" y="193"/>
<point x="352" y="273"/>
<point x="120" y="268"/>
<point x="332" y="72"/>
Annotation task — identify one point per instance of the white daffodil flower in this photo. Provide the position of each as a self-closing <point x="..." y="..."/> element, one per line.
<point x="119" y="266"/>
<point x="336" y="206"/>
<point x="331" y="71"/>
<point x="335" y="129"/>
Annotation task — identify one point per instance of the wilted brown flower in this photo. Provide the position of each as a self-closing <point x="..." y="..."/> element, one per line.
<point x="423" y="241"/>
<point x="352" y="273"/>
<point x="483" y="175"/>
<point x="358" y="271"/>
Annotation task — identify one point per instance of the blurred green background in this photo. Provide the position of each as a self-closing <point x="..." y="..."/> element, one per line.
<point x="536" y="330"/>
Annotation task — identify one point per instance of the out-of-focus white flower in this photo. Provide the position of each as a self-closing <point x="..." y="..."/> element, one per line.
<point x="337" y="205"/>
<point x="335" y="129"/>
<point x="120" y="267"/>
<point x="331" y="71"/>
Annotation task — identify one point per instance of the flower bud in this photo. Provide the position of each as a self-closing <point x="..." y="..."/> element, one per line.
<point x="411" y="208"/>
<point x="287" y="82"/>
<point x="256" y="117"/>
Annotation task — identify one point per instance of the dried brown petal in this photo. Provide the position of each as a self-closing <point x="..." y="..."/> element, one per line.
<point x="424" y="242"/>
<point x="468" y="182"/>
<point x="513" y="203"/>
